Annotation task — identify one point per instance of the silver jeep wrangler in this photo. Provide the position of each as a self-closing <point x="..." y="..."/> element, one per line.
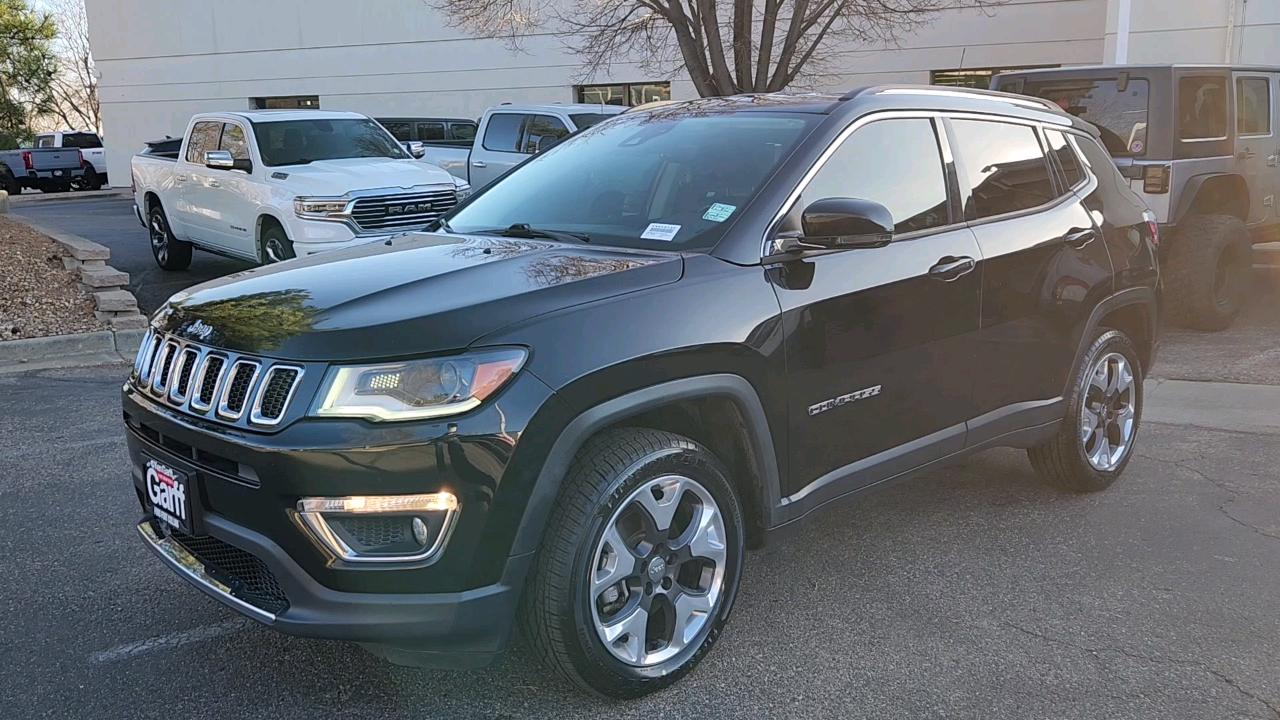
<point x="1199" y="143"/>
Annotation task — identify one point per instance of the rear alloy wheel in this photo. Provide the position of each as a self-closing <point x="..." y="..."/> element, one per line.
<point x="91" y="180"/>
<point x="1096" y="439"/>
<point x="170" y="253"/>
<point x="639" y="566"/>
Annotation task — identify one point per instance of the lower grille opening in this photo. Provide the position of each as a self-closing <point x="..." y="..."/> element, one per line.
<point x="248" y="577"/>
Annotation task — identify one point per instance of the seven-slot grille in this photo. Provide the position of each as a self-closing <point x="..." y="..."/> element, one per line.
<point x="215" y="384"/>
<point x="398" y="212"/>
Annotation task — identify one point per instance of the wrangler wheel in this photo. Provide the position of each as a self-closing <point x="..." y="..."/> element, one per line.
<point x="640" y="565"/>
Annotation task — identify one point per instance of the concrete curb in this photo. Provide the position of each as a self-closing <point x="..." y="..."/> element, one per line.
<point x="114" y="305"/>
<point x="26" y="198"/>
<point x="81" y="349"/>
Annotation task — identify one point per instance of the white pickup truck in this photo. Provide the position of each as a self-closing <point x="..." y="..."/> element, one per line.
<point x="509" y="134"/>
<point x="90" y="146"/>
<point x="271" y="185"/>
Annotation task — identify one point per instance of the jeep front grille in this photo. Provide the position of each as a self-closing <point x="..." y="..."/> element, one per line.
<point x="401" y="212"/>
<point x="214" y="384"/>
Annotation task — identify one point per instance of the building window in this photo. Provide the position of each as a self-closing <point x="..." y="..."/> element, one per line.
<point x="625" y="94"/>
<point x="289" y="102"/>
<point x="976" y="77"/>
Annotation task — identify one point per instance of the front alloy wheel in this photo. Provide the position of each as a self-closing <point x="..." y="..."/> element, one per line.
<point x="659" y="570"/>
<point x="639" y="566"/>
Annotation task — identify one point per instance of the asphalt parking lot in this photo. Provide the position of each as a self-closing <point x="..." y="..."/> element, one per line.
<point x="110" y="221"/>
<point x="972" y="592"/>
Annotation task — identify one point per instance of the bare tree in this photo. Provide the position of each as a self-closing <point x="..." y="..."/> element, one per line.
<point x="725" y="46"/>
<point x="72" y="100"/>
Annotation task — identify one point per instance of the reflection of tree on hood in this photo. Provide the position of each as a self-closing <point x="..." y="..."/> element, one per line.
<point x="257" y="322"/>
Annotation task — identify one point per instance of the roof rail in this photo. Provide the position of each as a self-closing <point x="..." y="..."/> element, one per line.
<point x="1020" y="100"/>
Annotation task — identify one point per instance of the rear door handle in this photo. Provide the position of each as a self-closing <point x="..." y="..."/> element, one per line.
<point x="1247" y="154"/>
<point x="952" y="268"/>
<point x="1077" y="239"/>
<point x="214" y="183"/>
<point x="180" y="177"/>
<point x="479" y="163"/>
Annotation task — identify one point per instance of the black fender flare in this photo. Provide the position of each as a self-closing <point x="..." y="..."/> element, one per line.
<point x="547" y="487"/>
<point x="1187" y="197"/>
<point x="1141" y="295"/>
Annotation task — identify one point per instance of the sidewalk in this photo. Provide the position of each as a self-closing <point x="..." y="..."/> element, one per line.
<point x="1221" y="406"/>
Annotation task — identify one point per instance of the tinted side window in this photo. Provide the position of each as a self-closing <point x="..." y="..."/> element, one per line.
<point x="1067" y="159"/>
<point x="896" y="163"/>
<point x="233" y="141"/>
<point x="463" y="131"/>
<point x="502" y="134"/>
<point x="204" y="137"/>
<point x="1005" y="166"/>
<point x="401" y="131"/>
<point x="1202" y="108"/>
<point x="541" y="126"/>
<point x="430" y="131"/>
<point x="1253" y="106"/>
<point x="81" y="140"/>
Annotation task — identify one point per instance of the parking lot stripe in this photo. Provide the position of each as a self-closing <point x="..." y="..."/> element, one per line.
<point x="200" y="634"/>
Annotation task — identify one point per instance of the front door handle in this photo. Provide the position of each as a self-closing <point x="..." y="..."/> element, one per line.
<point x="1273" y="160"/>
<point x="1077" y="238"/>
<point x="180" y="177"/>
<point x="1247" y="154"/>
<point x="479" y="163"/>
<point x="214" y="183"/>
<point x="952" y="268"/>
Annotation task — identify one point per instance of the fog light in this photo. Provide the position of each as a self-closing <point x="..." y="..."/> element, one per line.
<point x="380" y="528"/>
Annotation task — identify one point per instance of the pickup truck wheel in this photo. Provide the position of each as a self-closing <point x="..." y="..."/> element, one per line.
<point x="9" y="183"/>
<point x="1208" y="271"/>
<point x="276" y="246"/>
<point x="640" y="564"/>
<point x="170" y="253"/>
<point x="91" y="180"/>
<point x="1096" y="439"/>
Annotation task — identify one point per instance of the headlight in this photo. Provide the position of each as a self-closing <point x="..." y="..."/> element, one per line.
<point x="418" y="389"/>
<point x="319" y="207"/>
<point x="462" y="189"/>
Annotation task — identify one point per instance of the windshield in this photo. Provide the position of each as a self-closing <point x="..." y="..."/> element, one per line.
<point x="652" y="180"/>
<point x="297" y="142"/>
<point x="1121" y="117"/>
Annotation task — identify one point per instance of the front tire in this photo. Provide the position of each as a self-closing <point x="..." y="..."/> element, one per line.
<point x="640" y="564"/>
<point x="170" y="252"/>
<point x="1208" y="272"/>
<point x="9" y="183"/>
<point x="1095" y="442"/>
<point x="276" y="246"/>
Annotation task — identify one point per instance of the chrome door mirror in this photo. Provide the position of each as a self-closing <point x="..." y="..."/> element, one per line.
<point x="415" y="148"/>
<point x="219" y="159"/>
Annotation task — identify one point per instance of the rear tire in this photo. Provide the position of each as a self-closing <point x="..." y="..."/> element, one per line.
<point x="91" y="180"/>
<point x="1096" y="439"/>
<point x="1208" y="272"/>
<point x="170" y="252"/>
<point x="640" y="564"/>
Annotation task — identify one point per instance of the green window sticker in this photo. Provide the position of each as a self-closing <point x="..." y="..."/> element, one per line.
<point x="719" y="212"/>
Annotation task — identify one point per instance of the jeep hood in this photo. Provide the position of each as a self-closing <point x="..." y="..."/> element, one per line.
<point x="330" y="178"/>
<point x="414" y="294"/>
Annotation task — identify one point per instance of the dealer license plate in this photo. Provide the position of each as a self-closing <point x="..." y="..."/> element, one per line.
<point x="169" y="496"/>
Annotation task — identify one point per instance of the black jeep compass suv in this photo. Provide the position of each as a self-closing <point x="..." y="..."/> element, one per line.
<point x="581" y="395"/>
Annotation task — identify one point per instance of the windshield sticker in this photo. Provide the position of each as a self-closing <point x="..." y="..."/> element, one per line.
<point x="660" y="231"/>
<point x="719" y="212"/>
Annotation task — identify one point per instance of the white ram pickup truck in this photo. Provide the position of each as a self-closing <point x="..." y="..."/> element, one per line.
<point x="271" y="185"/>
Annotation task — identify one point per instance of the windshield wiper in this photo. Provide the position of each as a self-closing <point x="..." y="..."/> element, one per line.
<point x="440" y="224"/>
<point x="523" y="230"/>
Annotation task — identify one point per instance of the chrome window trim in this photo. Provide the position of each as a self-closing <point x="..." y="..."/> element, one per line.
<point x="198" y="381"/>
<point x="223" y="411"/>
<point x="255" y="413"/>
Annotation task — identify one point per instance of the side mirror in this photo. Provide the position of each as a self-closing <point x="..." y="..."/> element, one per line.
<point x="219" y="160"/>
<point x="546" y="142"/>
<point x="415" y="148"/>
<point x="836" y="223"/>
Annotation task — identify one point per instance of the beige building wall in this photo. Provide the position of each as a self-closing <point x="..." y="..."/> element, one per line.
<point x="1197" y="31"/>
<point x="163" y="60"/>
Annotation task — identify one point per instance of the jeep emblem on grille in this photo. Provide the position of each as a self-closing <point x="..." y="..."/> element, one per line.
<point x="200" y="330"/>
